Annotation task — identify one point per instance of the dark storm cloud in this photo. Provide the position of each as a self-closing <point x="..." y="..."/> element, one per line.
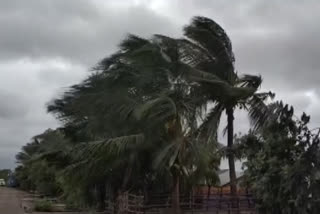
<point x="288" y="58"/>
<point x="75" y="30"/>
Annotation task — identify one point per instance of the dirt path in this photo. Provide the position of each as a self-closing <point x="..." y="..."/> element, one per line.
<point x="10" y="201"/>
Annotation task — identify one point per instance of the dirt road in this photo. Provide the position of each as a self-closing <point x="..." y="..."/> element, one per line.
<point x="10" y="201"/>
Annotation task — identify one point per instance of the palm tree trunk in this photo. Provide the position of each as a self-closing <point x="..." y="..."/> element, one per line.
<point x="126" y="178"/>
<point x="232" y="169"/>
<point x="176" y="193"/>
<point x="101" y="196"/>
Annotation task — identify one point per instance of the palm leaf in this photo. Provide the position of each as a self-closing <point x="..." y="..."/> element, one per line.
<point x="132" y="43"/>
<point x="211" y="36"/>
<point x="114" y="146"/>
<point x="251" y="81"/>
<point x="260" y="113"/>
<point x="209" y="128"/>
<point x="157" y="110"/>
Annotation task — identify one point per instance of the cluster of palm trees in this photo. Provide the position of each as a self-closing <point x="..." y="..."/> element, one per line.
<point x="148" y="115"/>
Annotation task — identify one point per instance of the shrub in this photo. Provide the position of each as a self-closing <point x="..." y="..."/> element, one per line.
<point x="43" y="206"/>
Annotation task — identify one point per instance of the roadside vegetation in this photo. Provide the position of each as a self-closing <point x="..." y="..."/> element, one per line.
<point x="146" y="121"/>
<point x="4" y="174"/>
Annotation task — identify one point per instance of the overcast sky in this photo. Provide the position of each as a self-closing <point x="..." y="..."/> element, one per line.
<point x="47" y="45"/>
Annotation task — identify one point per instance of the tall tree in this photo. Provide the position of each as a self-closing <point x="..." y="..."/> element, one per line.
<point x="226" y="89"/>
<point x="205" y="61"/>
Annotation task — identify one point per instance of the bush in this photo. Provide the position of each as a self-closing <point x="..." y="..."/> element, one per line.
<point x="72" y="207"/>
<point x="43" y="206"/>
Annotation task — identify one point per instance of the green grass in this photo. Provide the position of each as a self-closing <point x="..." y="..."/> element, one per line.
<point x="43" y="206"/>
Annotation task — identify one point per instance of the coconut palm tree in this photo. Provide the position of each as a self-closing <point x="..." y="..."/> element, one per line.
<point x="204" y="60"/>
<point x="241" y="91"/>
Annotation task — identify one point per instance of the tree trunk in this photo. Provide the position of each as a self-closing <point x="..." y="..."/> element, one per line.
<point x="208" y="196"/>
<point x="126" y="178"/>
<point x="176" y="194"/>
<point x="101" y="197"/>
<point x="232" y="169"/>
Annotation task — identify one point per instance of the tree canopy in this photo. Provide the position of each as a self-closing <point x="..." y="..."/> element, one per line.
<point x="282" y="166"/>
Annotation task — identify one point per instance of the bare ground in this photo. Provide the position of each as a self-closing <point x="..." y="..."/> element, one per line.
<point x="10" y="201"/>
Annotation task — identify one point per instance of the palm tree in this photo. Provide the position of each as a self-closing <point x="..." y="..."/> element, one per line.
<point x="205" y="61"/>
<point x="238" y="91"/>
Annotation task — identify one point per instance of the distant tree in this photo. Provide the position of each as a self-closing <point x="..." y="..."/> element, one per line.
<point x="4" y="174"/>
<point x="35" y="173"/>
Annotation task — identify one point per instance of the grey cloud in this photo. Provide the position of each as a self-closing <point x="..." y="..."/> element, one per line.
<point x="62" y="75"/>
<point x="300" y="99"/>
<point x="11" y="104"/>
<point x="24" y="93"/>
<point x="284" y="61"/>
<point x="17" y="132"/>
<point x="7" y="161"/>
<point x="75" y="30"/>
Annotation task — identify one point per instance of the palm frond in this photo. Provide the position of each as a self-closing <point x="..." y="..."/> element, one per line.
<point x="193" y="54"/>
<point x="158" y="110"/>
<point x="161" y="159"/>
<point x="22" y="157"/>
<point x="251" y="81"/>
<point x="209" y="128"/>
<point x="148" y="56"/>
<point x="259" y="112"/>
<point x="168" y="47"/>
<point x="56" y="158"/>
<point x="211" y="36"/>
<point x="114" y="146"/>
<point x="106" y="63"/>
<point x="132" y="43"/>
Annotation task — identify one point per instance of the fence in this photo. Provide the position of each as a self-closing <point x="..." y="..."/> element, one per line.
<point x="125" y="204"/>
<point x="204" y="204"/>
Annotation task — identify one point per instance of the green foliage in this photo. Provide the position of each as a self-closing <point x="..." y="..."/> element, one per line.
<point x="4" y="173"/>
<point x="43" y="206"/>
<point x="44" y="178"/>
<point x="283" y="165"/>
<point x="35" y="172"/>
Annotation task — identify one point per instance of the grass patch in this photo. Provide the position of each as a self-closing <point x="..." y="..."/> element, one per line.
<point x="43" y="206"/>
